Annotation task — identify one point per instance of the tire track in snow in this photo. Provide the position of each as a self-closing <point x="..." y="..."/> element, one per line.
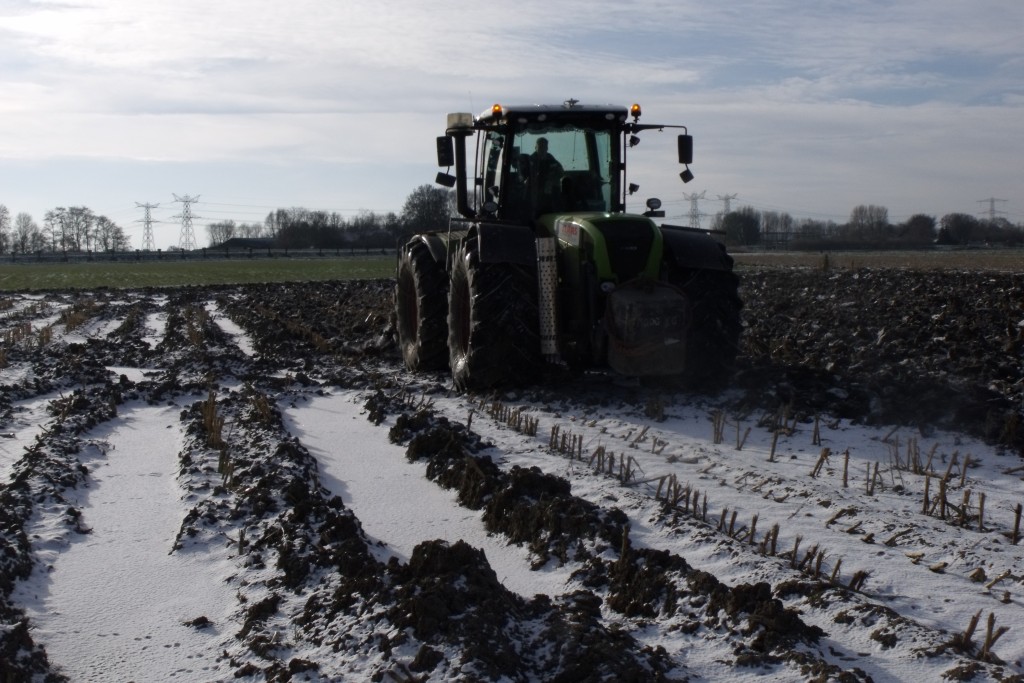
<point x="375" y="480"/>
<point x="112" y="604"/>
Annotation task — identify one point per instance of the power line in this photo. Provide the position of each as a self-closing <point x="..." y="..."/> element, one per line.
<point x="277" y="207"/>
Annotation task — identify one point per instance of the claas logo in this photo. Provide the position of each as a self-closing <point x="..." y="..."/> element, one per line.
<point x="568" y="232"/>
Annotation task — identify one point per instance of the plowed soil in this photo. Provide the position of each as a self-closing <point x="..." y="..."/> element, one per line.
<point x="921" y="351"/>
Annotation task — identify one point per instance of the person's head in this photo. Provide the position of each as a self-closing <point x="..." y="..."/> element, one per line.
<point x="542" y="145"/>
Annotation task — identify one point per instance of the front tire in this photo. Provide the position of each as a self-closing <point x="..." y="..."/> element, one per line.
<point x="421" y="306"/>
<point x="493" y="322"/>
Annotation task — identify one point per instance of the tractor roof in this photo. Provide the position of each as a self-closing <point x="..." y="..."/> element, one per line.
<point x="567" y="108"/>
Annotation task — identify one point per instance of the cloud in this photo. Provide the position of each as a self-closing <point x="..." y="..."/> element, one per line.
<point x="783" y="94"/>
<point x="325" y="55"/>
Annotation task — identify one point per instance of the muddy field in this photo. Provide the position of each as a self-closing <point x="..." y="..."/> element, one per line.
<point x="917" y="351"/>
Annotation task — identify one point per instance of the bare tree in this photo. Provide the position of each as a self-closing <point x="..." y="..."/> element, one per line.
<point x="73" y="228"/>
<point x="392" y="225"/>
<point x="27" y="236"/>
<point x="427" y="208"/>
<point x="742" y="226"/>
<point x="109" y="236"/>
<point x="275" y="222"/>
<point x="220" y="232"/>
<point x="812" y="230"/>
<point x="82" y="222"/>
<point x="870" y="222"/>
<point x="249" y="230"/>
<point x="5" y="229"/>
<point x="53" y="228"/>
<point x="777" y="222"/>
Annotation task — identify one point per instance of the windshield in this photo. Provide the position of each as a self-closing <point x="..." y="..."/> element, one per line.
<point x="568" y="168"/>
<point x="547" y="169"/>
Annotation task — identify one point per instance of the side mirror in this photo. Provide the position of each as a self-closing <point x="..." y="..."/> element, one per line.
<point x="686" y="149"/>
<point x="445" y="151"/>
<point x="445" y="179"/>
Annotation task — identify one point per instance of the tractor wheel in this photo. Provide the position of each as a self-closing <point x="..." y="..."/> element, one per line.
<point x="715" y="327"/>
<point x="421" y="306"/>
<point x="493" y="322"/>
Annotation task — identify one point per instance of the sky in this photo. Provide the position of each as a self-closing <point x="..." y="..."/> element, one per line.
<point x="808" y="108"/>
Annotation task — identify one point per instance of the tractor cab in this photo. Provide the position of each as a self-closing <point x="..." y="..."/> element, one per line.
<point x="541" y="159"/>
<point x="542" y="168"/>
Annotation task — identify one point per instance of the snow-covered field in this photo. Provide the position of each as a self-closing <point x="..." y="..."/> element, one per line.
<point x="890" y="541"/>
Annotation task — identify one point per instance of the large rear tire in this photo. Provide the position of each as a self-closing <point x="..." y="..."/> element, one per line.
<point x="493" y="322"/>
<point x="715" y="326"/>
<point x="421" y="306"/>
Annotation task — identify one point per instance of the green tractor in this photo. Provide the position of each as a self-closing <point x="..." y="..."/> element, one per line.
<point x="544" y="268"/>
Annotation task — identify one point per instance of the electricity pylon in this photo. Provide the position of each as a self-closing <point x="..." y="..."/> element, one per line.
<point x="147" y="226"/>
<point x="694" y="211"/>
<point x="187" y="239"/>
<point x="991" y="201"/>
<point x="726" y="198"/>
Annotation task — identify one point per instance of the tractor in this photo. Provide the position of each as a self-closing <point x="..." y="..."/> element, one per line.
<point x="543" y="269"/>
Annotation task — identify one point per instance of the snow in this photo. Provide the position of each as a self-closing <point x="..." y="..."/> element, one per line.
<point x="27" y="422"/>
<point x="240" y="337"/>
<point x="372" y="476"/>
<point x="112" y="604"/>
<point x="744" y="481"/>
<point x="156" y="325"/>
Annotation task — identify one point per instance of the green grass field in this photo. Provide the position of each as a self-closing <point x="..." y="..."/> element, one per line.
<point x="132" y="275"/>
<point x="171" y="273"/>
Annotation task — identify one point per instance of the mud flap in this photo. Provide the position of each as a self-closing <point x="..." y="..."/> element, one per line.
<point x="647" y="328"/>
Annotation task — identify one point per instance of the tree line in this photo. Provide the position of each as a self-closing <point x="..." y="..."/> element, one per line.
<point x="77" y="229"/>
<point x="426" y="208"/>
<point x="867" y="227"/>
<point x="69" y="229"/>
